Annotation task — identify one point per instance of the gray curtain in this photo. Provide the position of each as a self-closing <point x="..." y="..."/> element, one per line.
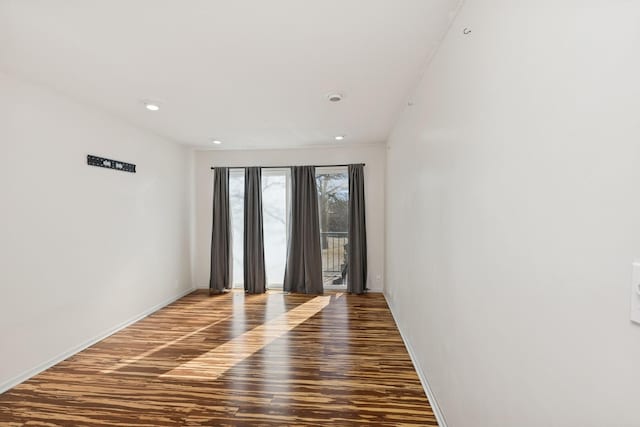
<point x="304" y="258"/>
<point x="254" y="271"/>
<point x="220" y="233"/>
<point x="357" y="251"/>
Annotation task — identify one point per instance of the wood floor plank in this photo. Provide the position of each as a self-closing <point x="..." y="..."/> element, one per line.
<point x="235" y="359"/>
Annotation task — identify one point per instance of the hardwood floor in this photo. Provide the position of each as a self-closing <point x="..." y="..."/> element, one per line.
<point x="232" y="359"/>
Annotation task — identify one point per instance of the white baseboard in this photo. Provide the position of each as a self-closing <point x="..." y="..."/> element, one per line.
<point x="423" y="378"/>
<point x="12" y="382"/>
<point x="369" y="291"/>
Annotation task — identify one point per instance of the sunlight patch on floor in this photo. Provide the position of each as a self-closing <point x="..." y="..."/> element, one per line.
<point x="216" y="362"/>
<point x="141" y="356"/>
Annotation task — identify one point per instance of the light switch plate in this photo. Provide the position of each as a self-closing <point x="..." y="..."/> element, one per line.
<point x="635" y="293"/>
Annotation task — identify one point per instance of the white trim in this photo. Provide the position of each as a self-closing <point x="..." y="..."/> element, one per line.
<point x="423" y="378"/>
<point x="279" y="288"/>
<point x="207" y="147"/>
<point x="12" y="382"/>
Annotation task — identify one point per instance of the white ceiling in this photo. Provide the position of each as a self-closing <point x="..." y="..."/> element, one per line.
<point x="254" y="74"/>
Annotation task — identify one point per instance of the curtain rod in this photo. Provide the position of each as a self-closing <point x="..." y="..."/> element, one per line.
<point x="286" y="167"/>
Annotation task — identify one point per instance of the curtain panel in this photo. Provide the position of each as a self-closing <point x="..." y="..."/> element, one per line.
<point x="357" y="251"/>
<point x="303" y="272"/>
<point x="255" y="281"/>
<point x="220" y="233"/>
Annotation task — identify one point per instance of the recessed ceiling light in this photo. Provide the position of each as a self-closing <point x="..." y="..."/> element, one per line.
<point x="335" y="97"/>
<point x="217" y="142"/>
<point x="151" y="106"/>
<point x="339" y="137"/>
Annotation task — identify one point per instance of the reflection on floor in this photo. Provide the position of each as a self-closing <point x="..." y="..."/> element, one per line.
<point x="236" y="359"/>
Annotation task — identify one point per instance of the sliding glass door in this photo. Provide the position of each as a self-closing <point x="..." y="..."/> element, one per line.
<point x="236" y="201"/>
<point x="276" y="201"/>
<point x="333" y="205"/>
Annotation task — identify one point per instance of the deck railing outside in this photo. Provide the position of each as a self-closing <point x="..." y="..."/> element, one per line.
<point x="334" y="257"/>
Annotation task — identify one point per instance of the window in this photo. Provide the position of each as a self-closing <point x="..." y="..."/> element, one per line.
<point x="236" y="200"/>
<point x="276" y="201"/>
<point x="276" y="195"/>
<point x="333" y="206"/>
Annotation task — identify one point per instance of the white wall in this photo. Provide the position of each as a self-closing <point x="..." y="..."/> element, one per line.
<point x="513" y="215"/>
<point x="82" y="249"/>
<point x="373" y="156"/>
